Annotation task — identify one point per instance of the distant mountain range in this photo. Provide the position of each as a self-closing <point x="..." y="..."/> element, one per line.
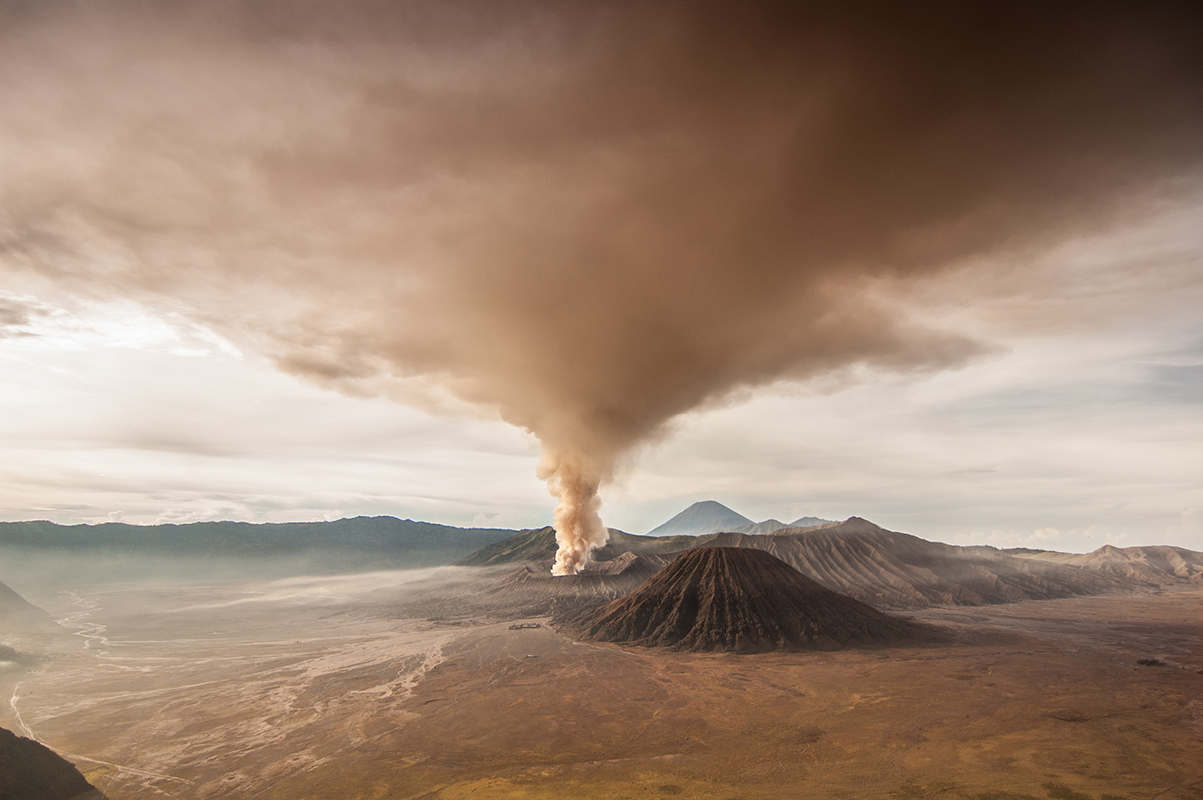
<point x="116" y="551"/>
<point x="885" y="568"/>
<point x="855" y="557"/>
<point x="1151" y="564"/>
<point x="711" y="516"/>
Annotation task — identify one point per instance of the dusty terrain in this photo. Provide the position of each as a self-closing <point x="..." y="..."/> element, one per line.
<point x="315" y="688"/>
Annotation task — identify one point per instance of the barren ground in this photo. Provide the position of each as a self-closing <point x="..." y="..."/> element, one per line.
<point x="314" y="689"/>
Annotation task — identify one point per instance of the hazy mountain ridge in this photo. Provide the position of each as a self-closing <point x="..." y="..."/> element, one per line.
<point x="769" y="525"/>
<point x="388" y="538"/>
<point x="711" y="516"/>
<point x="809" y="522"/>
<point x="1153" y="564"/>
<point x="35" y="556"/>
<point x="855" y="557"/>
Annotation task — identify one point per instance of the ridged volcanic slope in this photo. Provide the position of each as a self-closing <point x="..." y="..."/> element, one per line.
<point x="743" y="600"/>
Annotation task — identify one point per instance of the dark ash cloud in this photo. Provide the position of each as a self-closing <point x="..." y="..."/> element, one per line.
<point x="590" y="218"/>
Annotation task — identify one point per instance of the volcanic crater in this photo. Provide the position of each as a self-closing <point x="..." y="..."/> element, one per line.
<point x="741" y="600"/>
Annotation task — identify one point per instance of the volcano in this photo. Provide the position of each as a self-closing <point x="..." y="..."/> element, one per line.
<point x="707" y="516"/>
<point x="742" y="600"/>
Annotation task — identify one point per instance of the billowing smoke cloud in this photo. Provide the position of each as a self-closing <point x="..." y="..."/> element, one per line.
<point x="591" y="217"/>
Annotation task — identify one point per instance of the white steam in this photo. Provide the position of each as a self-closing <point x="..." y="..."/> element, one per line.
<point x="579" y="527"/>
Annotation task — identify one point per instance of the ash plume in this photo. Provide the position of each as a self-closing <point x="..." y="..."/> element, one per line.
<point x="590" y="219"/>
<point x="574" y="482"/>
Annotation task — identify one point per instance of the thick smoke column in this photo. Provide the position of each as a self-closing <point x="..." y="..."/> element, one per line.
<point x="587" y="217"/>
<point x="579" y="527"/>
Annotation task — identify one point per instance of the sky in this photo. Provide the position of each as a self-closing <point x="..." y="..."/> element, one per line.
<point x="281" y="265"/>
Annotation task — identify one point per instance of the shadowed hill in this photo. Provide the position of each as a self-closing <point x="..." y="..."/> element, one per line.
<point x="32" y="771"/>
<point x="18" y="615"/>
<point x="721" y="598"/>
<point x="860" y="559"/>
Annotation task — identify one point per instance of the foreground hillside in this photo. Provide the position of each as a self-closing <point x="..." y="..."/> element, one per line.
<point x="31" y="771"/>
<point x="855" y="557"/>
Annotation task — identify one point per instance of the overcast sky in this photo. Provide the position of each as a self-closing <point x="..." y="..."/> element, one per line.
<point x="291" y="266"/>
<point x="1064" y="437"/>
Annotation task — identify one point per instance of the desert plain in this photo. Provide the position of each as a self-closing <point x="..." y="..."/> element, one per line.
<point x="413" y="684"/>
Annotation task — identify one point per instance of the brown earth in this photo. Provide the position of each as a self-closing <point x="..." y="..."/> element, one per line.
<point x="311" y="692"/>
<point x="1040" y="700"/>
